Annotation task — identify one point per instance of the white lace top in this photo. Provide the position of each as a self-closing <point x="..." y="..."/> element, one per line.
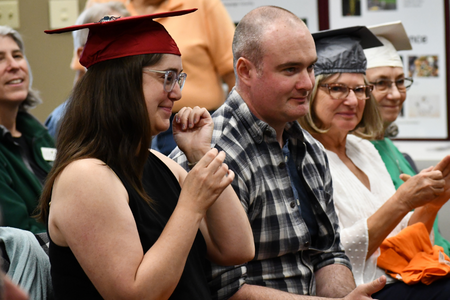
<point x="355" y="204"/>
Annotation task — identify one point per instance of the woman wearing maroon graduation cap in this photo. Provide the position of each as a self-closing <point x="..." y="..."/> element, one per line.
<point x="126" y="222"/>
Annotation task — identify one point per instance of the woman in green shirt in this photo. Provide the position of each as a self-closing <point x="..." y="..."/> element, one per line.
<point x="26" y="148"/>
<point x="385" y="72"/>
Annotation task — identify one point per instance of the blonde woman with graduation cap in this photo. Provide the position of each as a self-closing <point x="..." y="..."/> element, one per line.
<point x="385" y="71"/>
<point x="342" y="113"/>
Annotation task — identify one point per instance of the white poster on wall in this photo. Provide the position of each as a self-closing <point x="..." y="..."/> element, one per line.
<point x="424" y="114"/>
<point x="305" y="9"/>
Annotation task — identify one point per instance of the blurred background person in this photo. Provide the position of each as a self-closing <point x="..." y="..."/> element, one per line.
<point x="205" y="41"/>
<point x="89" y="15"/>
<point x="10" y="291"/>
<point x="26" y="148"/>
<point x="25" y="262"/>
<point x="385" y="71"/>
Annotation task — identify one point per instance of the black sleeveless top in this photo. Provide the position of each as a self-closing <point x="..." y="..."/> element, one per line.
<point x="69" y="279"/>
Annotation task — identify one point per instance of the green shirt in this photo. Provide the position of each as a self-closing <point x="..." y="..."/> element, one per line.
<point x="396" y="164"/>
<point x="20" y="189"/>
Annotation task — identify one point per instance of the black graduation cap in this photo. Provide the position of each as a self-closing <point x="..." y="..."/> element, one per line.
<point x="341" y="50"/>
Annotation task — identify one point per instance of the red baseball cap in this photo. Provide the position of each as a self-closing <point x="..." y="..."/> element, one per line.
<point x="114" y="37"/>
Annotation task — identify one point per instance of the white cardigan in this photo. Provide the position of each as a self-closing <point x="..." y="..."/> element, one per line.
<point x="355" y="204"/>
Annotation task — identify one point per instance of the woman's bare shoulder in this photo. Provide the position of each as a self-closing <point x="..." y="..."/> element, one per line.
<point x="86" y="191"/>
<point x="87" y="173"/>
<point x="176" y="169"/>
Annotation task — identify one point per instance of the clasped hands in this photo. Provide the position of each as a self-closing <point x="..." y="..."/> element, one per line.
<point x="431" y="187"/>
<point x="192" y="131"/>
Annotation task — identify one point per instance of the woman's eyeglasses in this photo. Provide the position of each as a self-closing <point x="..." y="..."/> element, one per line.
<point x="339" y="91"/>
<point x="170" y="77"/>
<point x="402" y="84"/>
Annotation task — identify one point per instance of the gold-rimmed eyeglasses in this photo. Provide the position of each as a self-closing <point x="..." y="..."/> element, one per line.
<point x="339" y="91"/>
<point x="170" y="77"/>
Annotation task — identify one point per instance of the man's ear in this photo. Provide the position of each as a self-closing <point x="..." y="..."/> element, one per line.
<point x="245" y="70"/>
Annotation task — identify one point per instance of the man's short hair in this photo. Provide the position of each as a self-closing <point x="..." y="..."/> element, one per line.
<point x="250" y="31"/>
<point x="94" y="14"/>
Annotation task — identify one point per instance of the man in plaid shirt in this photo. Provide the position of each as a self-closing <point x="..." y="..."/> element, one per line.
<point x="282" y="176"/>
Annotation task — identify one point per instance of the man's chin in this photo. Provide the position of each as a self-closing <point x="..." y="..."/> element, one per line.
<point x="302" y="110"/>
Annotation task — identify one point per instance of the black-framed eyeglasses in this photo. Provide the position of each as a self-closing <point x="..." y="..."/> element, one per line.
<point x="339" y="91"/>
<point x="170" y="77"/>
<point x="402" y="84"/>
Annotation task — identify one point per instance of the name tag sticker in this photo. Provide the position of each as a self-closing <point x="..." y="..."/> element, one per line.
<point x="49" y="154"/>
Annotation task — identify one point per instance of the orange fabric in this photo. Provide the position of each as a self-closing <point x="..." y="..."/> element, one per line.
<point x="411" y="255"/>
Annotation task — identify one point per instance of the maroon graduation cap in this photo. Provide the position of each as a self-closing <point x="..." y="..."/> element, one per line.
<point x="114" y="37"/>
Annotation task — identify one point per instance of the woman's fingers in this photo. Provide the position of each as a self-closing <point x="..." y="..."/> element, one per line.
<point x="207" y="180"/>
<point x="181" y="118"/>
<point x="422" y="188"/>
<point x="206" y="160"/>
<point x="405" y="177"/>
<point x="365" y="291"/>
<point x="444" y="166"/>
<point x="188" y="117"/>
<point x="427" y="169"/>
<point x="196" y="115"/>
<point x="213" y="164"/>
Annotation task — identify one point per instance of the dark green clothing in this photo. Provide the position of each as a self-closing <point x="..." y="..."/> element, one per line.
<point x="396" y="164"/>
<point x="20" y="189"/>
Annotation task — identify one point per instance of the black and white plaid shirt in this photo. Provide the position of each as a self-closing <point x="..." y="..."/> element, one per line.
<point x="286" y="257"/>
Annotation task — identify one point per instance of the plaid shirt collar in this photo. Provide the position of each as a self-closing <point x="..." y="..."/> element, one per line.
<point x="256" y="127"/>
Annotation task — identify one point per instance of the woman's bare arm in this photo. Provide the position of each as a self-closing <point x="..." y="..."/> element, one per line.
<point x="90" y="214"/>
<point x="225" y="227"/>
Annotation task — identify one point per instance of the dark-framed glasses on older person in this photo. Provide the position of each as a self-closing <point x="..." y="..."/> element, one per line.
<point x="339" y="91"/>
<point x="402" y="84"/>
<point x="170" y="78"/>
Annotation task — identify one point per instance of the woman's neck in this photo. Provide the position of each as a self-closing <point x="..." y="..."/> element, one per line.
<point x="333" y="141"/>
<point x="386" y="125"/>
<point x="336" y="143"/>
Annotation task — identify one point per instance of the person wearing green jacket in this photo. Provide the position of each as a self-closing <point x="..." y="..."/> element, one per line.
<point x="385" y="71"/>
<point x="26" y="148"/>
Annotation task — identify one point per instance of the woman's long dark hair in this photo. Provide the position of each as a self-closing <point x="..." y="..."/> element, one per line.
<point x="106" y="118"/>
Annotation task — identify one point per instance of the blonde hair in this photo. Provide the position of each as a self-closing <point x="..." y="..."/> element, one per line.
<point x="370" y="126"/>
